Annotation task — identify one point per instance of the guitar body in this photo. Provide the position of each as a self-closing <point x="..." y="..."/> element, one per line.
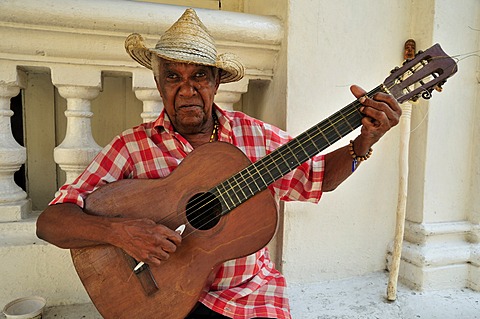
<point x="172" y="289"/>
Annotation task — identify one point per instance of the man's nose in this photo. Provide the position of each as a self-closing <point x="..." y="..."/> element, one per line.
<point x="187" y="88"/>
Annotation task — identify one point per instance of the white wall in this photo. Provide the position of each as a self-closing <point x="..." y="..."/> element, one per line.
<point x="332" y="45"/>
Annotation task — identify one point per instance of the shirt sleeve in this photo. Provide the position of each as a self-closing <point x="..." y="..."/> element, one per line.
<point x="111" y="164"/>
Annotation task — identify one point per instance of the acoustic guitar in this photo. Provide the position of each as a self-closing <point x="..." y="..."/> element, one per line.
<point x="227" y="209"/>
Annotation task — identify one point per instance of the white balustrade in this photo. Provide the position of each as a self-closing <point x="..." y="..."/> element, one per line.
<point x="13" y="202"/>
<point x="152" y="103"/>
<point x="230" y="93"/>
<point x="78" y="148"/>
<point x="146" y="91"/>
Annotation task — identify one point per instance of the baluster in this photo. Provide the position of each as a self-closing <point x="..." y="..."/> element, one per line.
<point x="13" y="200"/>
<point x="78" y="86"/>
<point x="230" y="93"/>
<point x="146" y="91"/>
<point x="152" y="103"/>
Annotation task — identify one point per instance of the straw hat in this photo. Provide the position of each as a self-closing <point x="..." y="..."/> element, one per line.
<point x="187" y="41"/>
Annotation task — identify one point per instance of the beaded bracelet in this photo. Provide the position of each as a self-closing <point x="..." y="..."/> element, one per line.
<point x="357" y="159"/>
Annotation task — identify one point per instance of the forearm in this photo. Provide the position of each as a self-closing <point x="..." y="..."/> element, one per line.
<point x="339" y="164"/>
<point x="67" y="226"/>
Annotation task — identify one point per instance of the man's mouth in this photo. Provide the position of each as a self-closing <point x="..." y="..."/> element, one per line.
<point x="189" y="106"/>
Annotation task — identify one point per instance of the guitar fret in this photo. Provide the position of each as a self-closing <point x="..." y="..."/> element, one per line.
<point x="335" y="128"/>
<point x="292" y="163"/>
<point x="304" y="152"/>
<point x="262" y="168"/>
<point x="283" y="163"/>
<point x="253" y="179"/>
<point x="222" y="195"/>
<point x="275" y="171"/>
<point x="228" y="191"/>
<point x="325" y="137"/>
<point x="233" y="190"/>
<point x="261" y="174"/>
<point x="241" y="185"/>
<point x="332" y="135"/>
<point x="346" y="121"/>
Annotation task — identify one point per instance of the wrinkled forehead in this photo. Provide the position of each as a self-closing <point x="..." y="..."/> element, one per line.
<point x="159" y="63"/>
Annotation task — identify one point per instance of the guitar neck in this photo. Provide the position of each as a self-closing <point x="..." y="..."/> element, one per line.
<point x="259" y="175"/>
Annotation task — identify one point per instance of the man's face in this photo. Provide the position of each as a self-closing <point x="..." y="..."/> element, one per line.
<point x="188" y="91"/>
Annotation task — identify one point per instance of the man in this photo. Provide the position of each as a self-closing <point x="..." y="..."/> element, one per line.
<point x="188" y="73"/>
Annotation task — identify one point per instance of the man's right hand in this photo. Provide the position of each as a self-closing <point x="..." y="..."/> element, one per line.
<point x="144" y="240"/>
<point x="67" y="226"/>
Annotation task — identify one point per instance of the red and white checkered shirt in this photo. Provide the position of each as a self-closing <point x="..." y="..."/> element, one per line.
<point x="247" y="287"/>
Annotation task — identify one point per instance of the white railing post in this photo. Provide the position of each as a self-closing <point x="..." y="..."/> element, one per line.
<point x="13" y="200"/>
<point x="230" y="93"/>
<point x="152" y="103"/>
<point x="146" y="91"/>
<point x="78" y="86"/>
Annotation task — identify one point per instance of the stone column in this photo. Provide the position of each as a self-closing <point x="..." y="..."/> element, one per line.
<point x="441" y="230"/>
<point x="146" y="91"/>
<point x="474" y="216"/>
<point x="13" y="200"/>
<point x="230" y="93"/>
<point x="78" y="85"/>
<point x="152" y="103"/>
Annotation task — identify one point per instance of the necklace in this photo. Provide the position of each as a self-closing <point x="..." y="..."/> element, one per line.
<point x="215" y="127"/>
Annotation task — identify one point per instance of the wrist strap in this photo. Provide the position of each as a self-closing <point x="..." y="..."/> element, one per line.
<point x="357" y="159"/>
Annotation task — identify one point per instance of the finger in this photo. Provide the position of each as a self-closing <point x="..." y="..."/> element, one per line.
<point x="390" y="101"/>
<point x="173" y="236"/>
<point x="156" y="258"/>
<point x="168" y="246"/>
<point x="357" y="91"/>
<point x="375" y="118"/>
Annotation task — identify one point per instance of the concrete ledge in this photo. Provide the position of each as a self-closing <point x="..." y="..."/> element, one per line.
<point x="19" y="233"/>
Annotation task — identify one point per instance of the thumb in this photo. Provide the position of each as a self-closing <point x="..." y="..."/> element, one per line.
<point x="357" y="91"/>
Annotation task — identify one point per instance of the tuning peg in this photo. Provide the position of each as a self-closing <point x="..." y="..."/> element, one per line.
<point x="427" y="94"/>
<point x="394" y="70"/>
<point x="439" y="86"/>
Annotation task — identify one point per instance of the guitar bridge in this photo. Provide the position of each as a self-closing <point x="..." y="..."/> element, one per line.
<point x="144" y="276"/>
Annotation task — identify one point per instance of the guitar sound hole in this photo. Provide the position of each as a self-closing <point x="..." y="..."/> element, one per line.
<point x="204" y="211"/>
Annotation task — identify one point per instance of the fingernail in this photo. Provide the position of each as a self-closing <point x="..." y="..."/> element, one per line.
<point x="362" y="99"/>
<point x="362" y="108"/>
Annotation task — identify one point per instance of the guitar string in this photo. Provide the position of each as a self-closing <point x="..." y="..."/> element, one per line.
<point x="237" y="184"/>
<point x="202" y="202"/>
<point x="323" y="129"/>
<point x="273" y="159"/>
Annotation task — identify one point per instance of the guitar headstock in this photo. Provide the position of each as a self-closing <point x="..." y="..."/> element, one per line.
<point x="428" y="71"/>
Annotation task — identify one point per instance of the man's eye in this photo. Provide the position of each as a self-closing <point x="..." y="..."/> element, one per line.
<point x="200" y="74"/>
<point x="171" y="76"/>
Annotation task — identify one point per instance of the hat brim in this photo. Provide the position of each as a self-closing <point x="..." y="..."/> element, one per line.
<point x="232" y="69"/>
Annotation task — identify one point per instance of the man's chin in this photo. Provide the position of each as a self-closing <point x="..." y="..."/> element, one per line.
<point x="190" y="125"/>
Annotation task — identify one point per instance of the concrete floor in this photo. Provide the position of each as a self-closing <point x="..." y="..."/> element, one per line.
<point x="365" y="298"/>
<point x="354" y="298"/>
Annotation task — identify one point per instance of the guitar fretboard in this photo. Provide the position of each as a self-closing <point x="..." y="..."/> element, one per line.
<point x="259" y="175"/>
